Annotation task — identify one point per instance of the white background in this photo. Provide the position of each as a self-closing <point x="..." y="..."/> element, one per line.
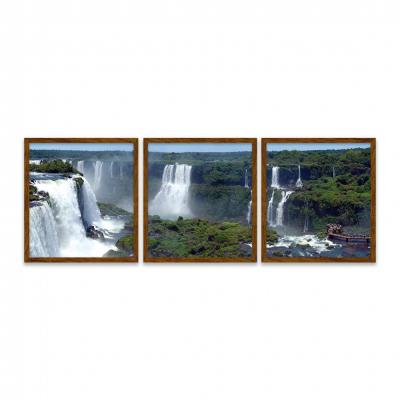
<point x="184" y="68"/>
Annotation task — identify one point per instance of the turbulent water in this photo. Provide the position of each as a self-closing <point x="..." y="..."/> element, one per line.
<point x="172" y="200"/>
<point x="58" y="230"/>
<point x="312" y="246"/>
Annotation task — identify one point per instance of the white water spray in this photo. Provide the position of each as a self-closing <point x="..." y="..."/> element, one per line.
<point x="43" y="237"/>
<point x="68" y="220"/>
<point x="172" y="200"/>
<point x="246" y="179"/>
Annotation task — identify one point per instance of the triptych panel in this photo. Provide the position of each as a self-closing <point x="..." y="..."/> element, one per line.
<point x="200" y="200"/>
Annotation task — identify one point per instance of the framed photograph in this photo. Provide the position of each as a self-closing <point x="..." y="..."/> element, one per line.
<point x="81" y="200"/>
<point x="200" y="200"/>
<point x="318" y="200"/>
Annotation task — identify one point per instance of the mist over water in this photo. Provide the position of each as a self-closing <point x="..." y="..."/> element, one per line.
<point x="111" y="180"/>
<point x="58" y="230"/>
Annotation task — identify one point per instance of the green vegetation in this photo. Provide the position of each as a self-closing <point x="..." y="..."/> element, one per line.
<point x="219" y="203"/>
<point x="198" y="158"/>
<point x="125" y="244"/>
<point x="33" y="196"/>
<point x="79" y="182"/>
<point x="53" y="166"/>
<point x="124" y="247"/>
<point x="343" y="199"/>
<point x="197" y="238"/>
<point x="80" y="155"/>
<point x="217" y="189"/>
<point x="36" y="195"/>
<point x="272" y="236"/>
<point x="112" y="210"/>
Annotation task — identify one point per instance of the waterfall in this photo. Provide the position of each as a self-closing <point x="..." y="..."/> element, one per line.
<point x="305" y="229"/>
<point x="275" y="178"/>
<point x="246" y="185"/>
<point x="80" y="166"/>
<point x="249" y="208"/>
<point x="90" y="211"/>
<point x="281" y="207"/>
<point x="333" y="172"/>
<point x="43" y="237"/>
<point x="173" y="198"/>
<point x="299" y="183"/>
<point x="98" y="171"/>
<point x="270" y="211"/>
<point x="68" y="219"/>
<point x="111" y="169"/>
<point x="121" y="171"/>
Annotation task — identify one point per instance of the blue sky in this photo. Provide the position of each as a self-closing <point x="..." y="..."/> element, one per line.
<point x="315" y="146"/>
<point x="198" y="147"/>
<point x="83" y="146"/>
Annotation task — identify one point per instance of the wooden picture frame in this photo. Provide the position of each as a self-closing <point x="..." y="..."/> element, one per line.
<point x="131" y="259"/>
<point x="253" y="257"/>
<point x="264" y="160"/>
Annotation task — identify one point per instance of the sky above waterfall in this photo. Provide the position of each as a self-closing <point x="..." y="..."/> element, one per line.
<point x="198" y="147"/>
<point x="83" y="146"/>
<point x="315" y="146"/>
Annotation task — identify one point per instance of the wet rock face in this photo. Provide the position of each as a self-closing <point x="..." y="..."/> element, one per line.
<point x="94" y="233"/>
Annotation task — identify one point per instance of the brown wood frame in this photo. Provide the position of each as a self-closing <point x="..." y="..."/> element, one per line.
<point x="265" y="258"/>
<point x="253" y="257"/>
<point x="132" y="259"/>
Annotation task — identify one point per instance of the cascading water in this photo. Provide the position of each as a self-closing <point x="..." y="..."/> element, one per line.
<point x="98" y="171"/>
<point x="299" y="183"/>
<point x="270" y="210"/>
<point x="246" y="185"/>
<point x="246" y="179"/>
<point x="281" y="207"/>
<point x="68" y="219"/>
<point x="80" y="166"/>
<point x="275" y="178"/>
<point x="90" y="211"/>
<point x="43" y="237"/>
<point x="172" y="200"/>
<point x="306" y="222"/>
<point x="249" y="208"/>
<point x="333" y="172"/>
